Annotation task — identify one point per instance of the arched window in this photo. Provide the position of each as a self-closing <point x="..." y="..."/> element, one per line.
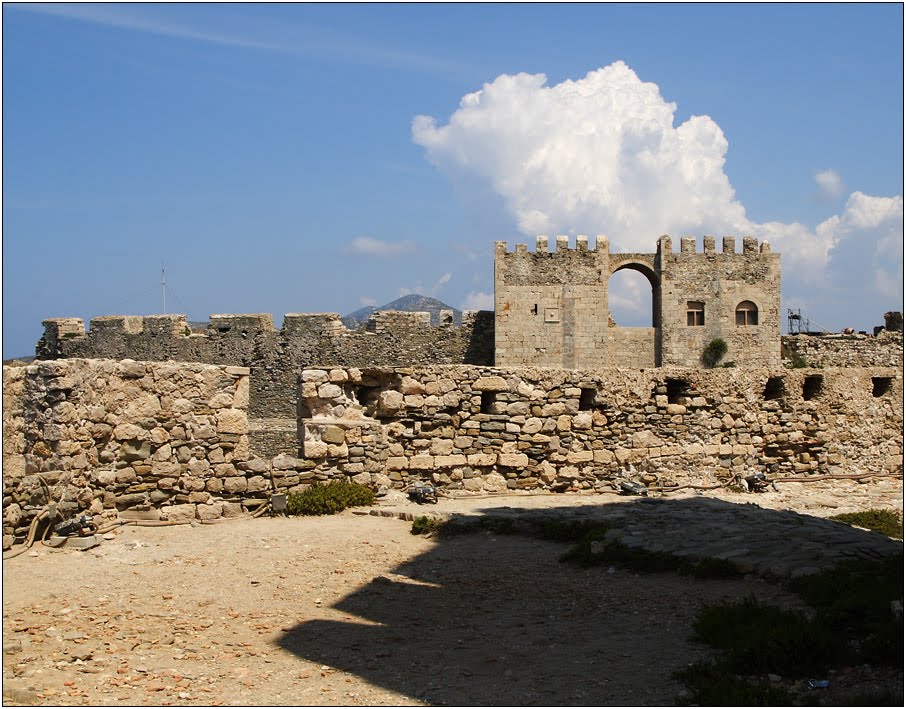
<point x="747" y="313"/>
<point x="695" y="313"/>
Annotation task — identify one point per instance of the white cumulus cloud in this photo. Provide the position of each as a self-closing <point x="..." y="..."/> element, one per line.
<point x="601" y="155"/>
<point x="368" y="246"/>
<point x="597" y="155"/>
<point x="830" y="183"/>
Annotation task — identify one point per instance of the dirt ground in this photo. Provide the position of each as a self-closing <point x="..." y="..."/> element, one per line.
<point x="342" y="610"/>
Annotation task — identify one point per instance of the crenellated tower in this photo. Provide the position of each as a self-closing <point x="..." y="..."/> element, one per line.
<point x="551" y="306"/>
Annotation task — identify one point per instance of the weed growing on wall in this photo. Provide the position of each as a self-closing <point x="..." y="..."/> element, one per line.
<point x="714" y="351"/>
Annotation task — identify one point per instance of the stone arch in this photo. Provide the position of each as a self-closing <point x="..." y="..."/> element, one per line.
<point x="644" y="264"/>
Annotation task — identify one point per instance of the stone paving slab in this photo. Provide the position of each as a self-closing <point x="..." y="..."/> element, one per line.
<point x="779" y="543"/>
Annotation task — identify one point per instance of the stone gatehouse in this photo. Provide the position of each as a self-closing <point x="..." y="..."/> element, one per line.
<point x="551" y="307"/>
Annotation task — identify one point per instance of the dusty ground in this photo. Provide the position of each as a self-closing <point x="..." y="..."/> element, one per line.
<point x="343" y="610"/>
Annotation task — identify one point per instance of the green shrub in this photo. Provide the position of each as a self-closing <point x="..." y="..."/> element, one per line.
<point x="854" y="599"/>
<point x="757" y="639"/>
<point x="427" y="525"/>
<point x="889" y="522"/>
<point x="714" y="352"/>
<point x="335" y="496"/>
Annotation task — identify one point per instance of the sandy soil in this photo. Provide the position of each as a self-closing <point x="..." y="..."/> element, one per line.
<point x="342" y="610"/>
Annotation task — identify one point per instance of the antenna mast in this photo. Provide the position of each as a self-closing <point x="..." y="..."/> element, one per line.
<point x="163" y="286"/>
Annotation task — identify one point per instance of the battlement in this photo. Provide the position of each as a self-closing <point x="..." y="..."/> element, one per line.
<point x="243" y="324"/>
<point x="561" y="245"/>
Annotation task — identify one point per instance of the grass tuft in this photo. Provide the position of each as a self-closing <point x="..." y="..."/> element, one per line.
<point x="889" y="522"/>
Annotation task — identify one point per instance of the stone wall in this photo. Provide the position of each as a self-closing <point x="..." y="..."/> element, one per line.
<point x="105" y="435"/>
<point x="883" y="350"/>
<point x="551" y="307"/>
<point x="275" y="357"/>
<point x="170" y="440"/>
<point x="476" y="428"/>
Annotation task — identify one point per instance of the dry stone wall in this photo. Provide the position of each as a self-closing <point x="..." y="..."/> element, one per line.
<point x="170" y="440"/>
<point x="487" y="429"/>
<point x="882" y="350"/>
<point x="275" y="357"/>
<point x="99" y="435"/>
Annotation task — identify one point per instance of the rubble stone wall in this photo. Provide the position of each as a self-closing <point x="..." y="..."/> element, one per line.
<point x="883" y="350"/>
<point x="489" y="429"/>
<point x="171" y="440"/>
<point x="97" y="435"/>
<point x="275" y="357"/>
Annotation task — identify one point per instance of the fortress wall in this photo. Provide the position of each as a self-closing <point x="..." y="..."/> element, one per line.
<point x="172" y="440"/>
<point x="275" y="357"/>
<point x="882" y="350"/>
<point x="118" y="435"/>
<point x="477" y="428"/>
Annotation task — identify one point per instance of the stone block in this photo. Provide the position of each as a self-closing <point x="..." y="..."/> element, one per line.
<point x="235" y="484"/>
<point x="208" y="512"/>
<point x="421" y="462"/>
<point x="482" y="459"/>
<point x="178" y="513"/>
<point x="333" y="434"/>
<point x="512" y="460"/>
<point x="329" y="391"/>
<point x="315" y="375"/>
<point x="490" y="384"/>
<point x="580" y="456"/>
<point x="232" y="421"/>
<point x="315" y="449"/>
<point x="449" y="461"/>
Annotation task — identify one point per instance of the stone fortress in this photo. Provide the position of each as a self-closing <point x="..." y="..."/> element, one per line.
<point x="551" y="308"/>
<point x="144" y="414"/>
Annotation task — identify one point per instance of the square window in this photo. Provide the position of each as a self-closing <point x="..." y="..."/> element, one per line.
<point x="695" y="313"/>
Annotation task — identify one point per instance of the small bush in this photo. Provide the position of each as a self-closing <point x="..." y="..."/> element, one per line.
<point x="335" y="496"/>
<point x="887" y="522"/>
<point x="557" y="530"/>
<point x="714" y="352"/>
<point x="797" y="361"/>
<point x="427" y="525"/>
<point x="853" y="599"/>
<point x="757" y="639"/>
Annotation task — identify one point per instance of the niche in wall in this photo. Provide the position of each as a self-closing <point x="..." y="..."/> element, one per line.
<point x="811" y="386"/>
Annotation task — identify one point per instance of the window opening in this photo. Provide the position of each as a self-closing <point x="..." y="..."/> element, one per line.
<point x="747" y="313"/>
<point x="587" y="398"/>
<point x="880" y="386"/>
<point x="774" y="389"/>
<point x="811" y="387"/>
<point x="487" y="401"/>
<point x="695" y="313"/>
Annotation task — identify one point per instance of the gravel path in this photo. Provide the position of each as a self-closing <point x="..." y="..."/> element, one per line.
<point x="354" y="610"/>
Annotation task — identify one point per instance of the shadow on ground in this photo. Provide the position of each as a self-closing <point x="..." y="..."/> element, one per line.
<point x="514" y="626"/>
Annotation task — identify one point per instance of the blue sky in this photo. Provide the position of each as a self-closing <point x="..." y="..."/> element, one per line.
<point x="271" y="155"/>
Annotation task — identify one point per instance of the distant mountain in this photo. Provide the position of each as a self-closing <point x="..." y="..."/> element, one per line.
<point x="412" y="303"/>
